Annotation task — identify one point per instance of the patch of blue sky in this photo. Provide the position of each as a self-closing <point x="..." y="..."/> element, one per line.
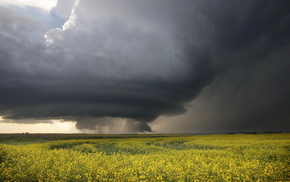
<point x="47" y="19"/>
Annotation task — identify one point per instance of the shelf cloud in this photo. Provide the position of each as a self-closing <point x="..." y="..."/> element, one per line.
<point x="139" y="60"/>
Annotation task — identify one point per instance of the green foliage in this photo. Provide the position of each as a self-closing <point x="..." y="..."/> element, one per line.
<point x="176" y="158"/>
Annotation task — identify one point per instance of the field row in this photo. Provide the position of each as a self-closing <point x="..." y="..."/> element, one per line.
<point x="188" y="158"/>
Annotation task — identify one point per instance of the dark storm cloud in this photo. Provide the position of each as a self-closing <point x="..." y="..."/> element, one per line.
<point x="254" y="98"/>
<point x="244" y="98"/>
<point x="139" y="60"/>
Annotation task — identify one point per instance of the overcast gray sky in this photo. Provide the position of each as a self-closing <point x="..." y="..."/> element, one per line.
<point x="125" y="66"/>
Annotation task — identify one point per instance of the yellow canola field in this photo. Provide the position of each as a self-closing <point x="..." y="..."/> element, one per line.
<point x="178" y="158"/>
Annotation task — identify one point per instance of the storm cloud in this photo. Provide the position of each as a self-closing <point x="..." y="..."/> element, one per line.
<point x="139" y="60"/>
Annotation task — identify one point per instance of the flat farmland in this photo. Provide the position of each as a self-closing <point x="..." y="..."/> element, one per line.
<point x="76" y="157"/>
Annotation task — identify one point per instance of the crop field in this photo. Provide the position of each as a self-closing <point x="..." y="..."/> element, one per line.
<point x="261" y="157"/>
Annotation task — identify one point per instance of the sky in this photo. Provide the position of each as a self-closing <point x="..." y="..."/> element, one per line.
<point x="128" y="66"/>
